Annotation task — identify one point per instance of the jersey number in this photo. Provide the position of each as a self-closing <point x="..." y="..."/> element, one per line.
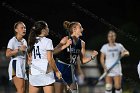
<point x="74" y="58"/>
<point x="37" y="52"/>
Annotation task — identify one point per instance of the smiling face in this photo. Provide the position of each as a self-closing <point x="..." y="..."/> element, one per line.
<point x="20" y="29"/>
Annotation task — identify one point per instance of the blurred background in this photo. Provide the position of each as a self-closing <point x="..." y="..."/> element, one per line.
<point x="97" y="19"/>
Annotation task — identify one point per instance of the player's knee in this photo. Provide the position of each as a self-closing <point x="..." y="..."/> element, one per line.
<point x="108" y="87"/>
<point x="117" y="87"/>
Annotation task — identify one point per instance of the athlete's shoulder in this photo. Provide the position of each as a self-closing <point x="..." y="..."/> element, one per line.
<point x="82" y="41"/>
<point x="119" y="44"/>
<point x="103" y="48"/>
<point x="105" y="45"/>
<point x="12" y="39"/>
<point x="24" y="39"/>
<point x="46" y="39"/>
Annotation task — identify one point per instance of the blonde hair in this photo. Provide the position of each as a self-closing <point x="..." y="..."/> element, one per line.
<point x="16" y="25"/>
<point x="70" y="25"/>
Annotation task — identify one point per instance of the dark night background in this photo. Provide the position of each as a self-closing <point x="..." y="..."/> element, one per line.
<point x="123" y="14"/>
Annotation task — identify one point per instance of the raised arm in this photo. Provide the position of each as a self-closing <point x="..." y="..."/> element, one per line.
<point x="64" y="43"/>
<point x="85" y="59"/>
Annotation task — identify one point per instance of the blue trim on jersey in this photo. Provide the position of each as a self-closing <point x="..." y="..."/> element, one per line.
<point x="14" y="67"/>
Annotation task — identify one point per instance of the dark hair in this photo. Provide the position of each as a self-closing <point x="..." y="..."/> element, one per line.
<point x="69" y="25"/>
<point x="113" y="31"/>
<point x="16" y="24"/>
<point x="34" y="32"/>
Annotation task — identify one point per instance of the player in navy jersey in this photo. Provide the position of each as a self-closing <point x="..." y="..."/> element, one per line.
<point x="67" y="56"/>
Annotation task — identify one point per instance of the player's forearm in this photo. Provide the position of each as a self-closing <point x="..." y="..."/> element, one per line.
<point x="53" y="65"/>
<point x="86" y="60"/>
<point x="11" y="53"/>
<point x="59" y="48"/>
<point x="103" y="63"/>
<point x="125" y="53"/>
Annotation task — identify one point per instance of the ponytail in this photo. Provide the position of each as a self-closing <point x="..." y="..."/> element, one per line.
<point x="34" y="32"/>
<point x="31" y="40"/>
<point x="66" y="25"/>
<point x="69" y="25"/>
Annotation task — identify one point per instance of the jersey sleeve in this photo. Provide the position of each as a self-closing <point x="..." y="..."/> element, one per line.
<point x="103" y="49"/>
<point x="49" y="45"/>
<point x="25" y="42"/>
<point x="122" y="47"/>
<point x="10" y="44"/>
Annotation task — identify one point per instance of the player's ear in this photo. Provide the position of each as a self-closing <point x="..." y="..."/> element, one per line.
<point x="74" y="29"/>
<point x="43" y="31"/>
<point x="16" y="30"/>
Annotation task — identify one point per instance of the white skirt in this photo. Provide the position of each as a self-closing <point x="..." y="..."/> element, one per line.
<point x="17" y="68"/>
<point x="42" y="79"/>
<point x="116" y="71"/>
<point x="39" y="75"/>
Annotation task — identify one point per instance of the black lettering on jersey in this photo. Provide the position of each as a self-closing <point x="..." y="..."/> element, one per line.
<point x="36" y="52"/>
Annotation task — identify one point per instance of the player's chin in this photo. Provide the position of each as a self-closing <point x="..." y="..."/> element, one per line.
<point x="24" y="33"/>
<point x="46" y="34"/>
<point x="80" y="35"/>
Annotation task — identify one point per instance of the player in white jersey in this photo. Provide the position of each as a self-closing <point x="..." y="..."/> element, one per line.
<point x="16" y="49"/>
<point x="110" y="52"/>
<point x="138" y="69"/>
<point x="41" y="59"/>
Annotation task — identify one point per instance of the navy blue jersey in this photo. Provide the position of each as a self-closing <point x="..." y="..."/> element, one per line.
<point x="75" y="51"/>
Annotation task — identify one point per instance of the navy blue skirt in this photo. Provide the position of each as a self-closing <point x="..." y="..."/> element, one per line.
<point x="65" y="69"/>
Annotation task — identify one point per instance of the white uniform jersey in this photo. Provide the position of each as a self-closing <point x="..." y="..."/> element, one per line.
<point x="138" y="69"/>
<point x="112" y="53"/>
<point x="15" y="44"/>
<point x="17" y="63"/>
<point x="41" y="47"/>
<point x="39" y="60"/>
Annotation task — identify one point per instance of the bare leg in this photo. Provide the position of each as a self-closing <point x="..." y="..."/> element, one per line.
<point x="19" y="84"/>
<point x="33" y="89"/>
<point x="59" y="87"/>
<point x="117" y="82"/>
<point x="49" y="88"/>
<point x="108" y="85"/>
